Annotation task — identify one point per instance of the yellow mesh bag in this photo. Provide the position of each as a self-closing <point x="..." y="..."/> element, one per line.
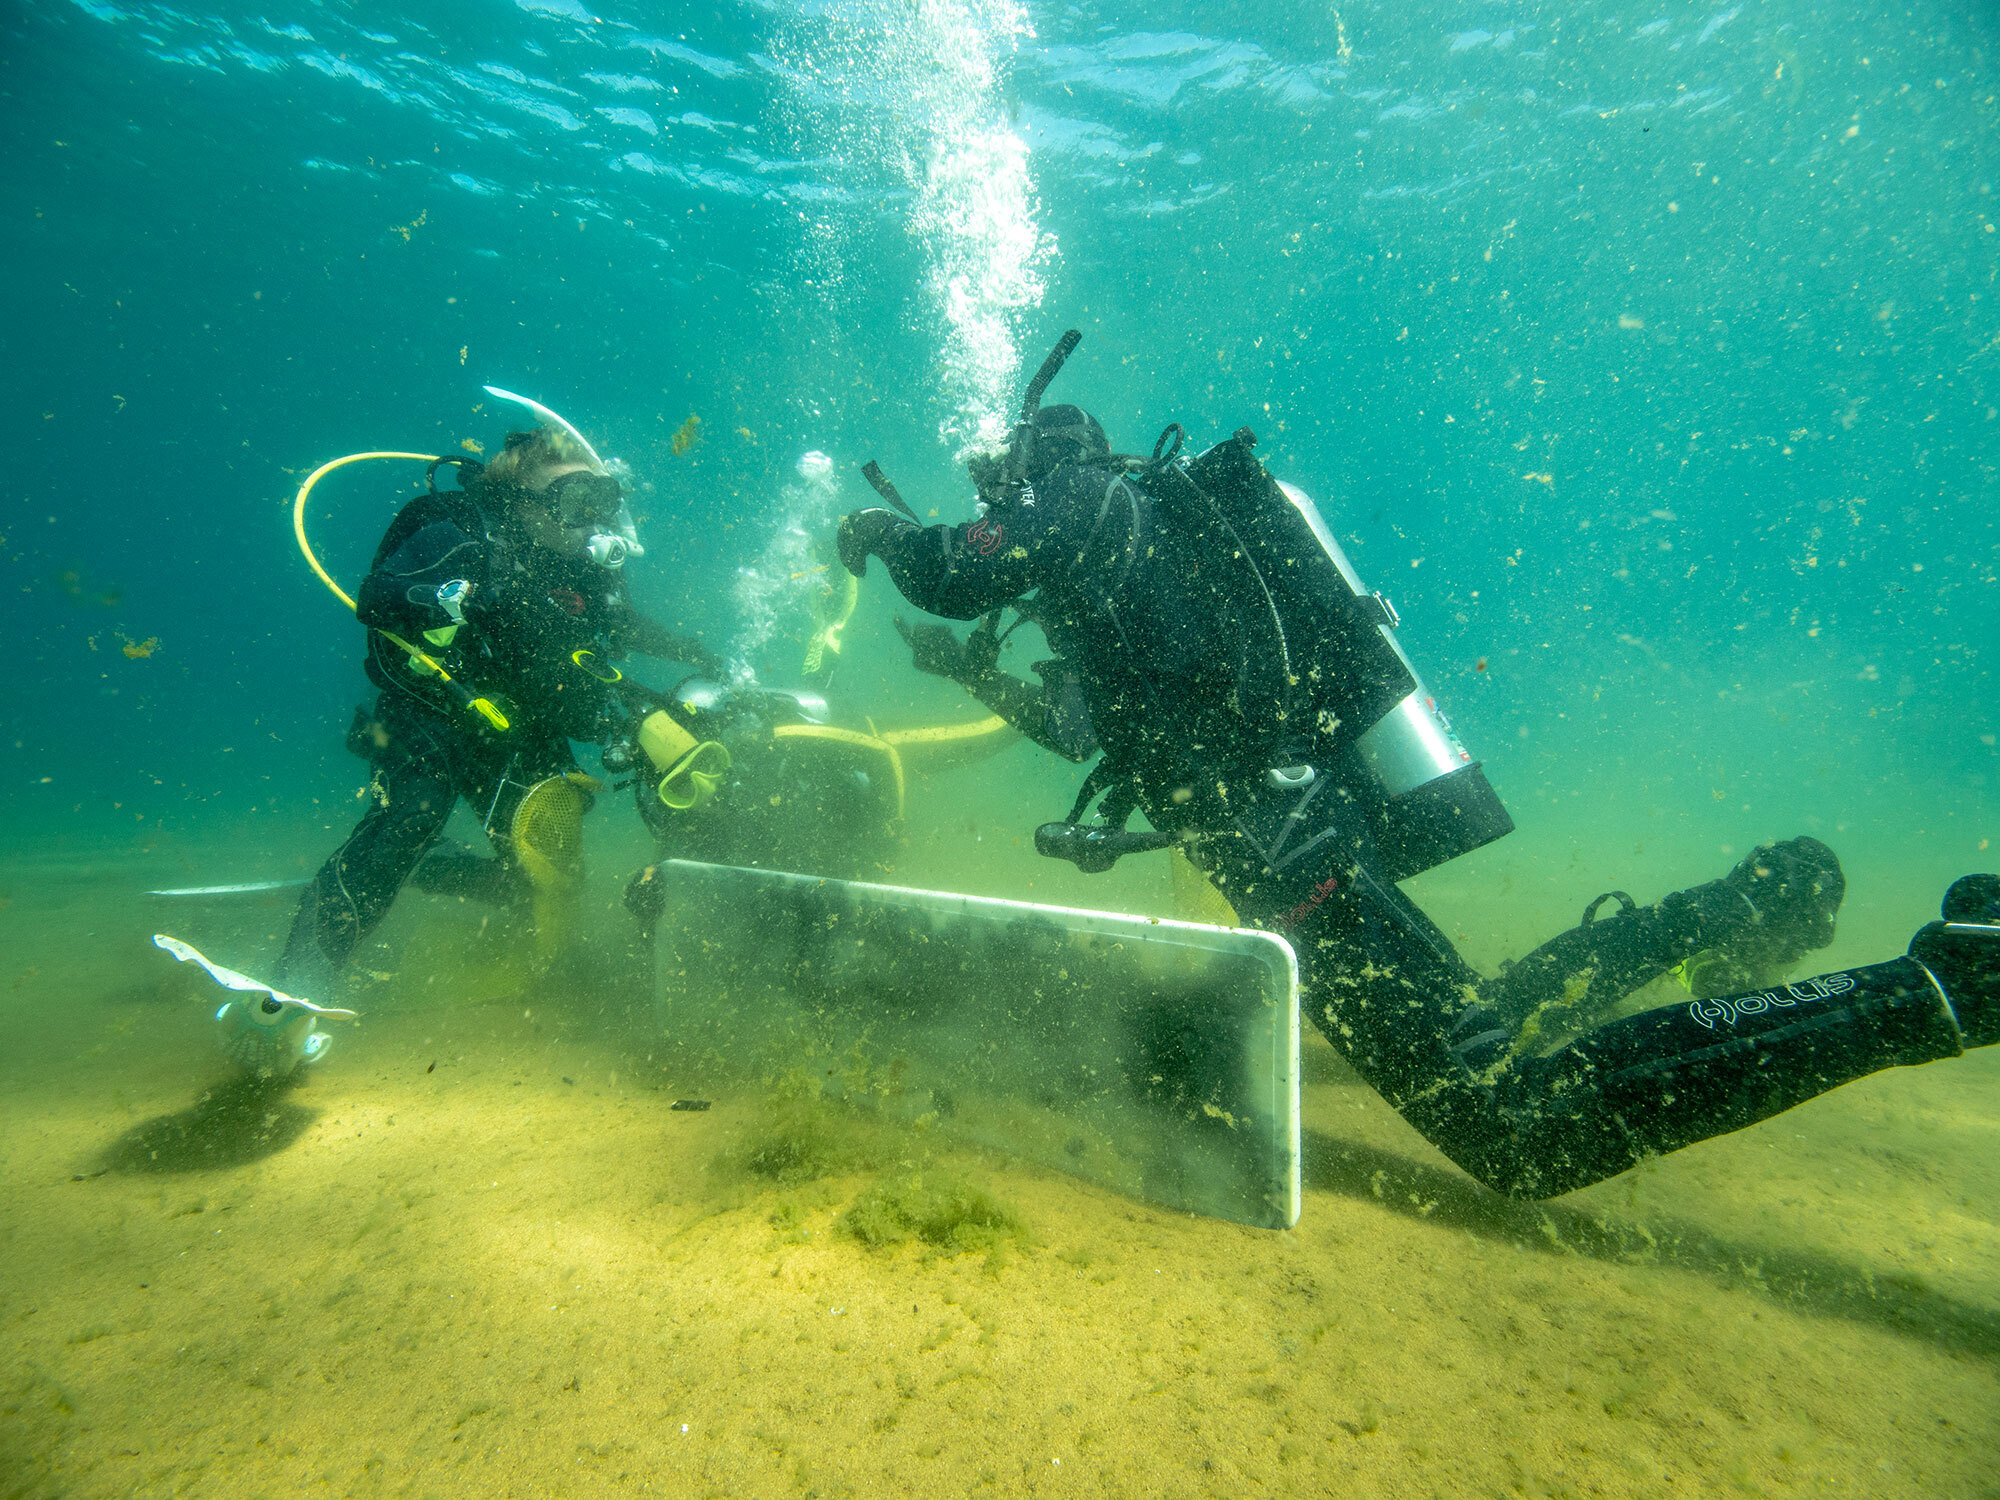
<point x="547" y="833"/>
<point x="547" y="838"/>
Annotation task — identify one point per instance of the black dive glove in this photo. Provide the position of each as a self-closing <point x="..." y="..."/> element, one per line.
<point x="864" y="534"/>
<point x="935" y="650"/>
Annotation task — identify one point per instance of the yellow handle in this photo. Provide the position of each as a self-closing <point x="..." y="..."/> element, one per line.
<point x="484" y="707"/>
<point x="859" y="740"/>
<point x="490" y="712"/>
<point x="585" y="662"/>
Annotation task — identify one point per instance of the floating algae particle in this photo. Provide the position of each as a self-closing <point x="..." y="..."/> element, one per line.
<point x="944" y="1213"/>
<point x="138" y="649"/>
<point x="686" y="435"/>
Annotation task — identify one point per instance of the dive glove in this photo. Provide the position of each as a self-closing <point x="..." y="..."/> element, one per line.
<point x="865" y="532"/>
<point x="936" y="650"/>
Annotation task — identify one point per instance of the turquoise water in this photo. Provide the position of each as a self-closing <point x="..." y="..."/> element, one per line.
<point x="1645" y="354"/>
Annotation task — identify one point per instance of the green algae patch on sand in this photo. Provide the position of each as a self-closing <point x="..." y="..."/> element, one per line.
<point x="813" y="1125"/>
<point x="945" y="1213"/>
<point x="804" y="1140"/>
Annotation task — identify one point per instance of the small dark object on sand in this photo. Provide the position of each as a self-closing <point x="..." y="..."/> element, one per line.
<point x="689" y="1104"/>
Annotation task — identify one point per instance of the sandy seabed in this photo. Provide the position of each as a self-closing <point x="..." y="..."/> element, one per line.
<point x="476" y="1253"/>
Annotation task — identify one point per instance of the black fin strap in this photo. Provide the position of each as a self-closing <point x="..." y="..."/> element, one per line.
<point x="1098" y="779"/>
<point x="1625" y="902"/>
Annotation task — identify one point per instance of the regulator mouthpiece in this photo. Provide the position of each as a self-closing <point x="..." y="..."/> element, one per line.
<point x="608" y="549"/>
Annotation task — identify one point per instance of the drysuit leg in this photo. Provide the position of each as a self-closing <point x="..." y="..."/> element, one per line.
<point x="451" y="869"/>
<point x="1385" y="986"/>
<point x="353" y="889"/>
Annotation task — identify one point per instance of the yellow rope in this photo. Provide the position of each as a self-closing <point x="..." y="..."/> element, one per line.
<point x="483" y="706"/>
<point x="945" y="733"/>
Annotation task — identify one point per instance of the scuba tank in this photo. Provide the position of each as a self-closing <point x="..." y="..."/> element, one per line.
<point x="1436" y="802"/>
<point x="1427" y="799"/>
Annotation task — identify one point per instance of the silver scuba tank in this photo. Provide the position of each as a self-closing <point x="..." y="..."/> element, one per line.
<point x="1436" y="803"/>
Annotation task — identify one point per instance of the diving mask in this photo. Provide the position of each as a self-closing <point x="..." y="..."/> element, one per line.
<point x="591" y="507"/>
<point x="583" y="498"/>
<point x="588" y="504"/>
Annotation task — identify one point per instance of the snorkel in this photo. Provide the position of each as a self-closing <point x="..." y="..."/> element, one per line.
<point x="1021" y="446"/>
<point x="607" y="548"/>
<point x="1002" y="475"/>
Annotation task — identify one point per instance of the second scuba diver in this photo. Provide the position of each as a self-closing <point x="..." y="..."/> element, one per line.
<point x="494" y="612"/>
<point x="1252" y="699"/>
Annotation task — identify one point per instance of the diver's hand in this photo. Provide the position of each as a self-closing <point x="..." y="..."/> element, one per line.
<point x="982" y="648"/>
<point x="933" y="649"/>
<point x="863" y="534"/>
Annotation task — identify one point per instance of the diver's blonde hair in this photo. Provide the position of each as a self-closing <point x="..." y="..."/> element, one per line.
<point x="544" y="448"/>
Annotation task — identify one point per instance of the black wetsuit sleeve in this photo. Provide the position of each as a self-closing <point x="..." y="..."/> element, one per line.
<point x="399" y="594"/>
<point x="1051" y="715"/>
<point x="1035" y="542"/>
<point x="963" y="571"/>
<point x="632" y="631"/>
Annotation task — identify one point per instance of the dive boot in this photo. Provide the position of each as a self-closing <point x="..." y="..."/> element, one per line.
<point x="270" y="1037"/>
<point x="1962" y="954"/>
<point x="1793" y="891"/>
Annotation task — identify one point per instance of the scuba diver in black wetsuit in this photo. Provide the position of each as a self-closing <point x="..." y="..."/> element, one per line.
<point x="494" y="614"/>
<point x="1252" y="700"/>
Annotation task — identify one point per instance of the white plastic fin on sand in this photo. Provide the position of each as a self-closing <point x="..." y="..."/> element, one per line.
<point x="547" y="416"/>
<point x="230" y="979"/>
<point x="230" y="890"/>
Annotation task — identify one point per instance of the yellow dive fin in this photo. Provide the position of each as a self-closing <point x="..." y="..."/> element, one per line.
<point x="832" y="607"/>
<point x="1195" y="900"/>
<point x="691" y="770"/>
